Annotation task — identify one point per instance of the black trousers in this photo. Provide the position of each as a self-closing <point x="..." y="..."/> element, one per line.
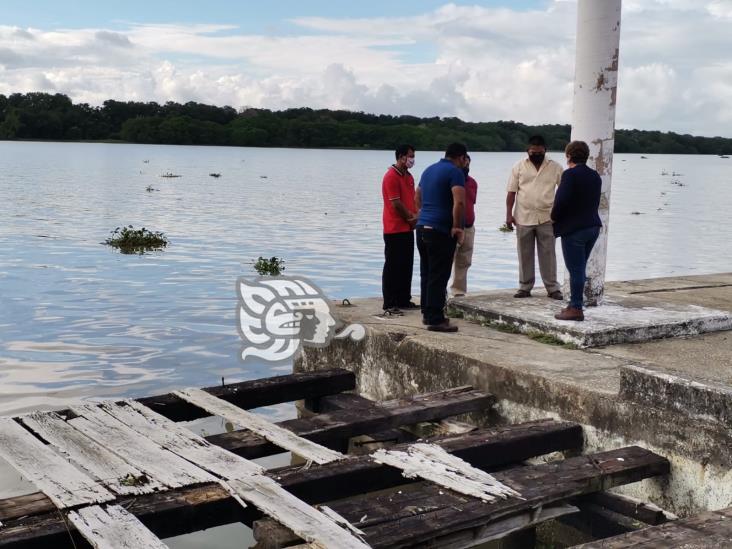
<point x="436" y="252"/>
<point x="396" y="279"/>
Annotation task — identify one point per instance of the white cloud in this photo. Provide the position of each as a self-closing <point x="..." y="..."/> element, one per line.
<point x="478" y="63"/>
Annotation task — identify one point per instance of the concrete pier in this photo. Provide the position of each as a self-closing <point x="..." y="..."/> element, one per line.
<point x="672" y="396"/>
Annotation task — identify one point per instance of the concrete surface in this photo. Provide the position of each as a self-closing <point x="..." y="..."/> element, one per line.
<point x="622" y="318"/>
<point x="622" y="394"/>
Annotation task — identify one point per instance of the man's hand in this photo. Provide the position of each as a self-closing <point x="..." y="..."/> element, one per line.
<point x="510" y="221"/>
<point x="458" y="234"/>
<point x="412" y="221"/>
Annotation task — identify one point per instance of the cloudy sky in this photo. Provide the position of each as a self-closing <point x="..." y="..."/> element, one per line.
<point x="481" y="61"/>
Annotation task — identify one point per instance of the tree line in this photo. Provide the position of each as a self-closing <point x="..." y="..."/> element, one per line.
<point x="55" y="117"/>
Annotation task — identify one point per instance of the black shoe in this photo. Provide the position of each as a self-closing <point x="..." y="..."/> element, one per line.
<point x="409" y="305"/>
<point x="556" y="294"/>
<point x="425" y="321"/>
<point x="522" y="293"/>
<point x="392" y="311"/>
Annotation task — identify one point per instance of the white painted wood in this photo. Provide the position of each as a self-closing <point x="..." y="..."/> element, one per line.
<point x="113" y="528"/>
<point x="277" y="435"/>
<point x="114" y="472"/>
<point x="433" y="463"/>
<point x="593" y="114"/>
<point x="65" y="485"/>
<point x="182" y="441"/>
<point x="159" y="464"/>
<point x="303" y="519"/>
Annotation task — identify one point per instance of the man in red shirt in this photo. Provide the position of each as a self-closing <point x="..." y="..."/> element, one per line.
<point x="464" y="252"/>
<point x="400" y="218"/>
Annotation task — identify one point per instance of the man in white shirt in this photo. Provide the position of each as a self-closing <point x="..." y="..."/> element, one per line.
<point x="529" y="202"/>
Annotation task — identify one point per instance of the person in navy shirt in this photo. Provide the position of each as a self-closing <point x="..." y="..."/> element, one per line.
<point x="440" y="199"/>
<point x="577" y="222"/>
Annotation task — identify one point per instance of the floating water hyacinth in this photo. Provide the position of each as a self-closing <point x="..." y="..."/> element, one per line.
<point x="129" y="240"/>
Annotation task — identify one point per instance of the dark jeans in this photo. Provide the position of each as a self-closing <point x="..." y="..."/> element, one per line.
<point x="396" y="279"/>
<point x="436" y="252"/>
<point x="576" y="248"/>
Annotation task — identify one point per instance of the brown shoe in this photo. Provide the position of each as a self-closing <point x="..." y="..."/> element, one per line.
<point x="522" y="293"/>
<point x="570" y="313"/>
<point x="442" y="327"/>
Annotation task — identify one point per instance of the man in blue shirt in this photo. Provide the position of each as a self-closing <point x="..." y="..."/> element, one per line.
<point x="440" y="200"/>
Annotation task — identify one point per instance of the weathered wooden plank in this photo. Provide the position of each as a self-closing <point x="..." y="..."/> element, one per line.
<point x="115" y="473"/>
<point x="157" y="463"/>
<point x="258" y="392"/>
<point x="281" y="437"/>
<point x="416" y="514"/>
<point x="485" y="448"/>
<point x="65" y="485"/>
<point x="336" y="426"/>
<point x="306" y="521"/>
<point x="113" y="528"/>
<point x="430" y="462"/>
<point x="181" y="441"/>
<point x="712" y="529"/>
<point x="630" y="507"/>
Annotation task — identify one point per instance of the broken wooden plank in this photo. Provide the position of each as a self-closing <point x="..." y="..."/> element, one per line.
<point x="419" y="512"/>
<point x="181" y="441"/>
<point x="257" y="424"/>
<point x="258" y="392"/>
<point x="157" y="463"/>
<point x="113" y="528"/>
<point x="65" y="485"/>
<point x="336" y="426"/>
<point x="485" y="448"/>
<point x="430" y="462"/>
<point x="630" y="507"/>
<point x="114" y="472"/>
<point x="711" y="529"/>
<point x="307" y="522"/>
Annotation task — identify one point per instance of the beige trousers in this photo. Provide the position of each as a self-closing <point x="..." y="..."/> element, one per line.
<point x="540" y="238"/>
<point x="462" y="262"/>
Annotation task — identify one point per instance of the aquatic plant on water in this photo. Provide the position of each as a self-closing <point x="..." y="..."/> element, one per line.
<point x="505" y="228"/>
<point x="129" y="240"/>
<point x="274" y="266"/>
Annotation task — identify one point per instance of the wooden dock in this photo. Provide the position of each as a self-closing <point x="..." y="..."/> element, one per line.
<point x="128" y="473"/>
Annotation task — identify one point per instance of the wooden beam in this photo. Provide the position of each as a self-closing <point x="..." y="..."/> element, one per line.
<point x="396" y="518"/>
<point x="190" y="509"/>
<point x="630" y="507"/>
<point x="709" y="529"/>
<point x="113" y="528"/>
<point x="258" y="392"/>
<point x="330" y="429"/>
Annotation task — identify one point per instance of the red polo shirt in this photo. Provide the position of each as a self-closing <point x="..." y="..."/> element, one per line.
<point x="397" y="185"/>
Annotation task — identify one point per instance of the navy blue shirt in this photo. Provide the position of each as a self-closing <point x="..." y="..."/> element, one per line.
<point x="577" y="200"/>
<point x="435" y="187"/>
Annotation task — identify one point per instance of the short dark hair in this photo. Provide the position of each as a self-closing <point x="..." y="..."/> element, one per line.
<point x="456" y="150"/>
<point x="578" y="152"/>
<point x="537" y="141"/>
<point x="403" y="150"/>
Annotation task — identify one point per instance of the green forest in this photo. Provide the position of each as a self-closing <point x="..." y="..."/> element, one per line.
<point x="55" y="117"/>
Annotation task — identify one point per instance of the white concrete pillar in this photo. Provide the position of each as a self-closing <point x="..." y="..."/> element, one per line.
<point x="593" y="114"/>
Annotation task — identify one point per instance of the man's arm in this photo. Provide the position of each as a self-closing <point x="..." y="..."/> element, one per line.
<point x="510" y="201"/>
<point x="418" y="199"/>
<point x="458" y="212"/>
<point x="402" y="210"/>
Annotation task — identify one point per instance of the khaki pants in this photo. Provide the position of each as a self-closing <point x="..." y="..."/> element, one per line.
<point x="462" y="262"/>
<point x="541" y="238"/>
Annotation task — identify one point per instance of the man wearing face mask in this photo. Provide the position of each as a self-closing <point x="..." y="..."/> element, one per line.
<point x="529" y="202"/>
<point x="399" y="218"/>
<point x="464" y="252"/>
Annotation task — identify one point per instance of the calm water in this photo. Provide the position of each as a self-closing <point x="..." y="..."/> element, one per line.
<point x="79" y="320"/>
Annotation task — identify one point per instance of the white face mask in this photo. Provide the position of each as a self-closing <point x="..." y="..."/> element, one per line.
<point x="410" y="162"/>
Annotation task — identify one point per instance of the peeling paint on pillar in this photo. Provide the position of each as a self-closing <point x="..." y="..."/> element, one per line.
<point x="593" y="116"/>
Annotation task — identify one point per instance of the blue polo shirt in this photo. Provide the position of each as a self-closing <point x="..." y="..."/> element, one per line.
<point x="435" y="187"/>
